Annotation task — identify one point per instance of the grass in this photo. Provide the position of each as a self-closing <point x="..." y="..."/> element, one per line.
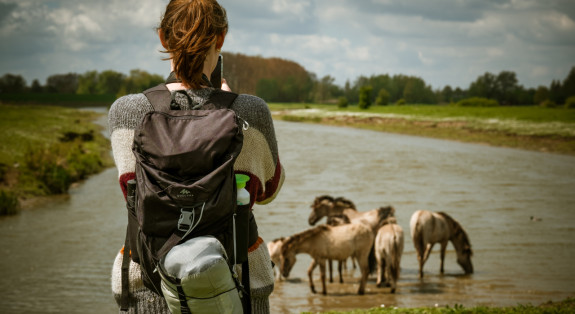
<point x="44" y="149"/>
<point x="526" y="127"/>
<point x="565" y="306"/>
<point x="67" y="100"/>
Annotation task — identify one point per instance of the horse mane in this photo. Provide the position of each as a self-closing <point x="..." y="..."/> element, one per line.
<point x="456" y="227"/>
<point x="321" y="198"/>
<point x="301" y="236"/>
<point x="385" y="212"/>
<point x="345" y="203"/>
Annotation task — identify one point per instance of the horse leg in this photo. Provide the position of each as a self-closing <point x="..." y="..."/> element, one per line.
<point x="310" y="275"/>
<point x="329" y="264"/>
<point x="322" y="276"/>
<point x="442" y="255"/>
<point x="424" y="258"/>
<point x="364" y="268"/>
<point x="339" y="267"/>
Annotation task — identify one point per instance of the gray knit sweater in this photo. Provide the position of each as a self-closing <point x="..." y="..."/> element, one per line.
<point x="259" y="159"/>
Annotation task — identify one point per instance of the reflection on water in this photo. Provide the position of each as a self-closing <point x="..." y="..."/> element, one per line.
<point x="57" y="259"/>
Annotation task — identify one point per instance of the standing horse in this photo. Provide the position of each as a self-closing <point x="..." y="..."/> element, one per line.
<point x="388" y="251"/>
<point x="337" y="220"/>
<point x="329" y="242"/>
<point x="328" y="206"/>
<point x="428" y="228"/>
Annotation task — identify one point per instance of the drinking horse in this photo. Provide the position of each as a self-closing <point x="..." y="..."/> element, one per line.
<point x="388" y="251"/>
<point x="428" y="228"/>
<point x="326" y="242"/>
<point x="274" y="248"/>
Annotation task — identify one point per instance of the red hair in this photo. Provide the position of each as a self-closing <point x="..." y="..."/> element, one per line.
<point x="189" y="29"/>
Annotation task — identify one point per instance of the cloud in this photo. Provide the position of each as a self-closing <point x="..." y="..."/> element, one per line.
<point x="444" y="42"/>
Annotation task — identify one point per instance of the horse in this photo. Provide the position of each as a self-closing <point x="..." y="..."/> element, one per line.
<point x="274" y="248"/>
<point x="337" y="220"/>
<point x="325" y="242"/>
<point x="388" y="251"/>
<point x="428" y="228"/>
<point x="328" y="206"/>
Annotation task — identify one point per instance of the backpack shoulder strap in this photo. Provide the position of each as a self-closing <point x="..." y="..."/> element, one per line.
<point x="220" y="99"/>
<point x="159" y="96"/>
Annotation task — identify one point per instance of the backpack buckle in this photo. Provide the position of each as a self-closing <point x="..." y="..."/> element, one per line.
<point x="186" y="219"/>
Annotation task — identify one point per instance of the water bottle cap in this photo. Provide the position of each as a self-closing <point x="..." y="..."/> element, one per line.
<point x="241" y="180"/>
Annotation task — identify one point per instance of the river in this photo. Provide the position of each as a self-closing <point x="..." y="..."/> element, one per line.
<point x="57" y="258"/>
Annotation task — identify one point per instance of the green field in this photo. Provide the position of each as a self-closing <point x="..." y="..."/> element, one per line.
<point x="44" y="149"/>
<point x="526" y="127"/>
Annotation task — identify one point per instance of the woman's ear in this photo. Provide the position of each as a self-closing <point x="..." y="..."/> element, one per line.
<point x="220" y="40"/>
<point x="162" y="38"/>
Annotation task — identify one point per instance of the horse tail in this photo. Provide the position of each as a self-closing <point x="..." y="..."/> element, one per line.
<point x="396" y="255"/>
<point x="372" y="260"/>
<point x="417" y="235"/>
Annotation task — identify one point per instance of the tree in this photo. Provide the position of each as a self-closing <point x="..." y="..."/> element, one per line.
<point x="541" y="94"/>
<point x="109" y="82"/>
<point x="62" y="83"/>
<point x="36" y="87"/>
<point x="506" y="87"/>
<point x="87" y="83"/>
<point x="138" y="81"/>
<point x="382" y="98"/>
<point x="447" y="94"/>
<point x="569" y="84"/>
<point x="365" y="97"/>
<point x="484" y="86"/>
<point x="10" y="83"/>
<point x="268" y="89"/>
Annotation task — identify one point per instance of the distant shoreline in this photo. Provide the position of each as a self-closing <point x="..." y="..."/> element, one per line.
<point x="468" y="131"/>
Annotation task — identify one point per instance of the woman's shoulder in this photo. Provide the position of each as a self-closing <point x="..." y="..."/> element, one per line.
<point x="128" y="110"/>
<point x="249" y="105"/>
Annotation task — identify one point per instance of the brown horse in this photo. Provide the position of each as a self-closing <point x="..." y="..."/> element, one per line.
<point x="388" y="251"/>
<point x="326" y="242"/>
<point x="274" y="248"/>
<point x="328" y="206"/>
<point x="428" y="228"/>
<point x="337" y="220"/>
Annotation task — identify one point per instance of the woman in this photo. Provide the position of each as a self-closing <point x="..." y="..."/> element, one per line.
<point x="193" y="33"/>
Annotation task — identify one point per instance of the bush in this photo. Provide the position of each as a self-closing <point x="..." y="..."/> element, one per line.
<point x="58" y="165"/>
<point x="365" y="97"/>
<point x="8" y="203"/>
<point x="548" y="104"/>
<point x="342" y="102"/>
<point x="570" y="103"/>
<point x="477" y="102"/>
<point x="382" y="98"/>
<point x="400" y="102"/>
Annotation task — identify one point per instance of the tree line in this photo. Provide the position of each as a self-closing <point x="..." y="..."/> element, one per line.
<point x="280" y="80"/>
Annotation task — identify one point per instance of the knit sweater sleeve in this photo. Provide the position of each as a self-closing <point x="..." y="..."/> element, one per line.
<point x="123" y="117"/>
<point x="259" y="157"/>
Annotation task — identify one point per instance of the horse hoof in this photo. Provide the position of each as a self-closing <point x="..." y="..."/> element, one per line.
<point x="361" y="292"/>
<point x="392" y="290"/>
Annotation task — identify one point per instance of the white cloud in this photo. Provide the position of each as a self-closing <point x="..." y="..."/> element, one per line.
<point x="444" y="42"/>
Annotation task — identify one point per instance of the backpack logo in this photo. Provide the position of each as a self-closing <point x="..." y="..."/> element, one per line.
<point x="185" y="193"/>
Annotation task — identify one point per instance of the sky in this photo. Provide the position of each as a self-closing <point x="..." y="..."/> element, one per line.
<point x="444" y="42"/>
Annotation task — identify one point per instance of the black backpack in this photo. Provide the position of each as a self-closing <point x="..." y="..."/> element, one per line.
<point x="185" y="184"/>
